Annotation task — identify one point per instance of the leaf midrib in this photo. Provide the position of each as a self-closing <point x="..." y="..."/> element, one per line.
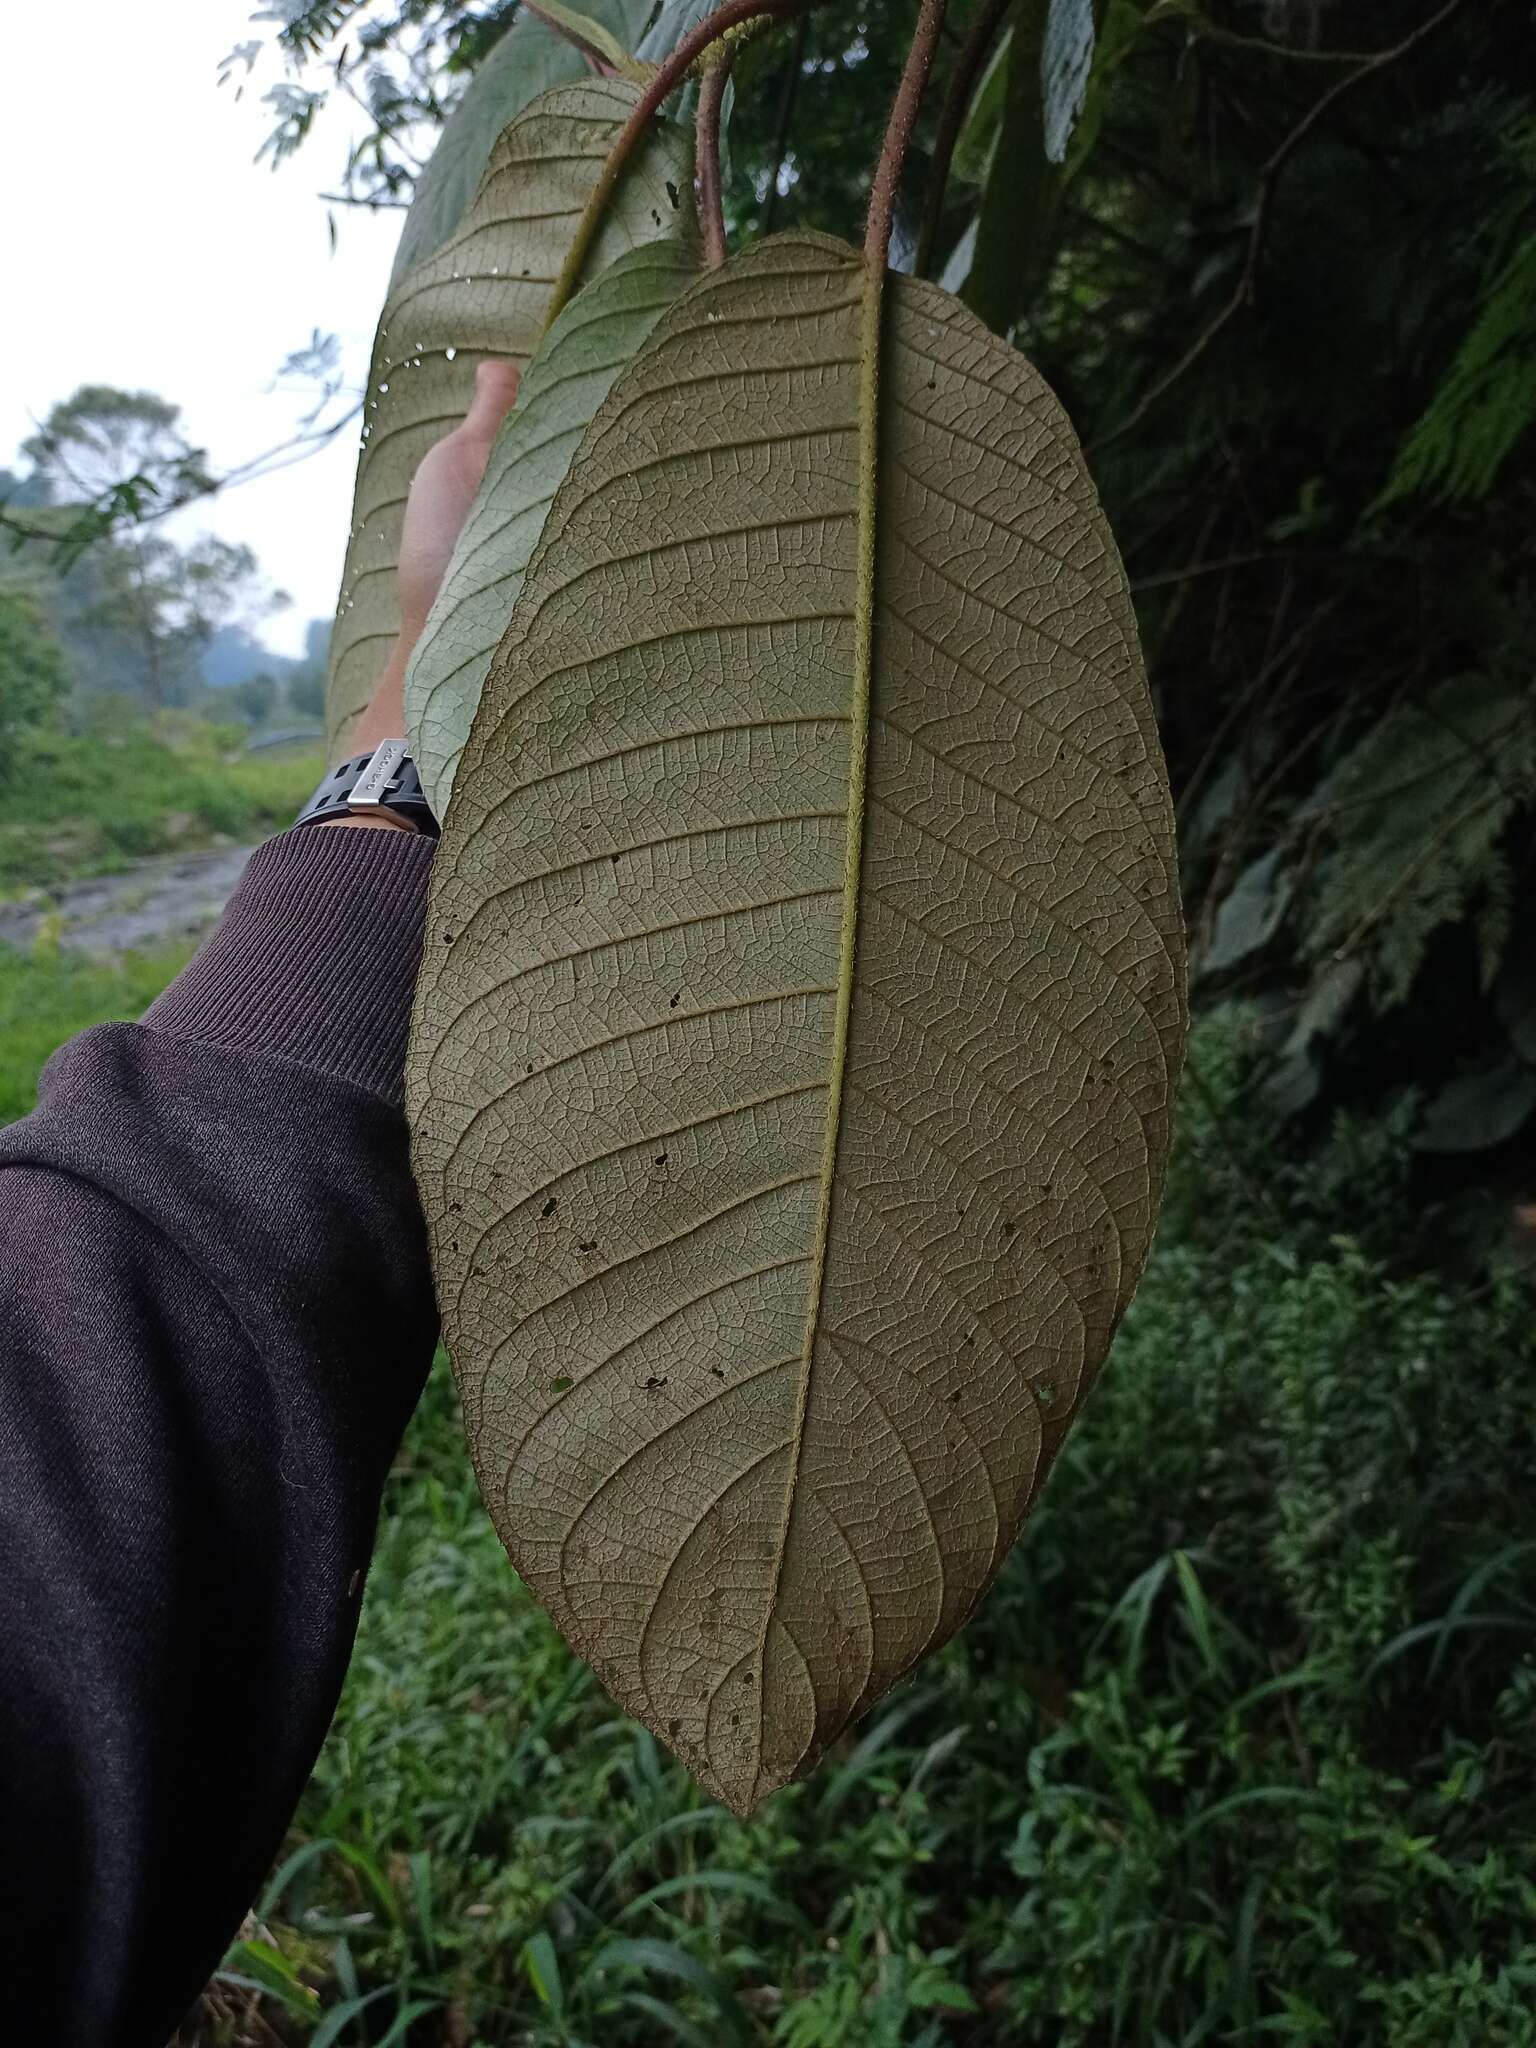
<point x="867" y="419"/>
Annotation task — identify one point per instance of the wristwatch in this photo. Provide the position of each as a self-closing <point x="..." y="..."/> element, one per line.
<point x="382" y="783"/>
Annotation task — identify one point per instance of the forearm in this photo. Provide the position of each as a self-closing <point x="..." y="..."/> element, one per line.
<point x="215" y="1317"/>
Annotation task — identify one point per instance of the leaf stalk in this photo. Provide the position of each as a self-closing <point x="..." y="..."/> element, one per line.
<point x="669" y="75"/>
<point x="708" y="185"/>
<point x="898" y="133"/>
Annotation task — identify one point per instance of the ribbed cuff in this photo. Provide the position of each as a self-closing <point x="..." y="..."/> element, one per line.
<point x="315" y="957"/>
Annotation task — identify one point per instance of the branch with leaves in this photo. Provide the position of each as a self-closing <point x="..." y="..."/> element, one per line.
<point x="779" y="1246"/>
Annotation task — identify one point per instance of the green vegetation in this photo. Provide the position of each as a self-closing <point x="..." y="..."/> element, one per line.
<point x="34" y="676"/>
<point x="48" y="994"/>
<point x="92" y="804"/>
<point x="1239" y="1749"/>
<point x="134" y="609"/>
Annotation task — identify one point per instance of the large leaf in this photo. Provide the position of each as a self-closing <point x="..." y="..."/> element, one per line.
<point x="1251" y="912"/>
<point x="983" y="117"/>
<point x="1479" y="1109"/>
<point x="673" y="20"/>
<point x="528" y="60"/>
<point x="1031" y="127"/>
<point x="1016" y="223"/>
<point x="569" y="378"/>
<point x="802" y="1007"/>
<point x="485" y="291"/>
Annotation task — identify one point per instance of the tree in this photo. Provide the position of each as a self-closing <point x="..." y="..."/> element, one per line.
<point x="137" y="606"/>
<point x="143" y="608"/>
<point x="103" y="441"/>
<point x="306" y="694"/>
<point x="306" y="682"/>
<point x="255" y="699"/>
<point x="34" y="672"/>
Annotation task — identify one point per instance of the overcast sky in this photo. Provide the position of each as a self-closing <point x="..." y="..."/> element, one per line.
<point x="142" y="246"/>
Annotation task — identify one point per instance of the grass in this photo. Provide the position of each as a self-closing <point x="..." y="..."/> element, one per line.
<point x="95" y="804"/>
<point x="1241" y="1748"/>
<point x="48" y="994"/>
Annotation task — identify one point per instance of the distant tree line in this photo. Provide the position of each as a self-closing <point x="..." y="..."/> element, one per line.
<point x="97" y="601"/>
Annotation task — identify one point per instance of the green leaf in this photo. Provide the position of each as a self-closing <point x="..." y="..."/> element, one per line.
<point x="802" y="1007"/>
<point x="406" y="2018"/>
<point x="543" y="1968"/>
<point x="666" y="1959"/>
<point x="736" y="1882"/>
<point x="984" y="117"/>
<point x="340" y="2017"/>
<point x="570" y="376"/>
<point x="673" y="20"/>
<point x="869" y="1752"/>
<point x="1123" y="21"/>
<point x="1297" y="1075"/>
<point x="421" y="1888"/>
<point x="1031" y="127"/>
<point x="1487" y="402"/>
<point x="1198" y="1609"/>
<point x="277" y="1884"/>
<point x="1478" y="1109"/>
<point x="1250" y="913"/>
<point x="259" y="1964"/>
<point x="661" y="2014"/>
<point x="635" y="1852"/>
<point x="528" y="60"/>
<point x="590" y="35"/>
<point x="1417" y="816"/>
<point x="485" y="292"/>
<point x="1023" y="189"/>
<point x="1066" y="62"/>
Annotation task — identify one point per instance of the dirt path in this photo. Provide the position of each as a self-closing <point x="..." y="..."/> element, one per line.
<point x="158" y="902"/>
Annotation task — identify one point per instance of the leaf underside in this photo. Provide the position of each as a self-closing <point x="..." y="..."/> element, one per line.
<point x="750" y="1510"/>
<point x="572" y="373"/>
<point x="527" y="60"/>
<point x="485" y="291"/>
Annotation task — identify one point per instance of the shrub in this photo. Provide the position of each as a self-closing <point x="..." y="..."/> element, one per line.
<point x="91" y="804"/>
<point x="34" y="674"/>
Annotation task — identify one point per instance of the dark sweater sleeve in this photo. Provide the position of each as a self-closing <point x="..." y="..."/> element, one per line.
<point x="215" y="1318"/>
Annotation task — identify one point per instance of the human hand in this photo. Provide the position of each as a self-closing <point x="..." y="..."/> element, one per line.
<point x="442" y="492"/>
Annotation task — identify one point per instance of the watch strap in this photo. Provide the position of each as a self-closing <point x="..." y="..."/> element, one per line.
<point x="385" y="780"/>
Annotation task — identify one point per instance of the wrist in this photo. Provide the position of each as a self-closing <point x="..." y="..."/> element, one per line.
<point x="378" y="785"/>
<point x="384" y="714"/>
<point x="373" y="821"/>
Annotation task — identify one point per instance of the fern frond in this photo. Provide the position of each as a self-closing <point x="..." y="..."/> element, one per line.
<point x="1415" y="819"/>
<point x="1488" y="399"/>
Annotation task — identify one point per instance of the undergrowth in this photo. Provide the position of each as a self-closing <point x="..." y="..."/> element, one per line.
<point x="48" y="993"/>
<point x="1240" y="1748"/>
<point x="93" y="804"/>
